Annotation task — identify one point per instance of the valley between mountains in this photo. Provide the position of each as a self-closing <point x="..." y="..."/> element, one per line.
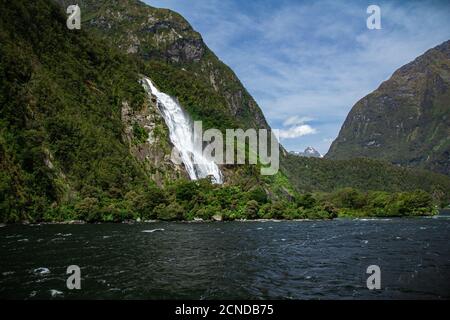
<point x="82" y="139"/>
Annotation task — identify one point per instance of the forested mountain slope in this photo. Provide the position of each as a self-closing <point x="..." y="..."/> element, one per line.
<point x="406" y="120"/>
<point x="81" y="139"/>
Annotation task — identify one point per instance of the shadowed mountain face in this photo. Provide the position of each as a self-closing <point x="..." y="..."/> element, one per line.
<point x="406" y="120"/>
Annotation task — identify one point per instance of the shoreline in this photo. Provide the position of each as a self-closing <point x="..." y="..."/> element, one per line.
<point x="81" y="222"/>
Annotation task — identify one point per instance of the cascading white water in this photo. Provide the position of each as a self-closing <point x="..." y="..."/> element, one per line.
<point x="181" y="134"/>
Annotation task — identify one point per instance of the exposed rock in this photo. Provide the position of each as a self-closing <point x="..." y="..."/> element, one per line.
<point x="161" y="34"/>
<point x="186" y="50"/>
<point x="406" y="120"/>
<point x="154" y="153"/>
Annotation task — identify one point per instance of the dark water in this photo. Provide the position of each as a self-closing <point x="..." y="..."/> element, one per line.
<point x="256" y="260"/>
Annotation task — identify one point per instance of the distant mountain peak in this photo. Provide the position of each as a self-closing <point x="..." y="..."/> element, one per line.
<point x="309" y="152"/>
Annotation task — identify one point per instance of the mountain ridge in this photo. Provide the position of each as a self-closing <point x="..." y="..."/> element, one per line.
<point x="156" y="34"/>
<point x="406" y="119"/>
<point x="308" y="152"/>
<point x="170" y="52"/>
<point x="80" y="138"/>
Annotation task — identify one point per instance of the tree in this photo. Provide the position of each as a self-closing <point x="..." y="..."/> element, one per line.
<point x="251" y="209"/>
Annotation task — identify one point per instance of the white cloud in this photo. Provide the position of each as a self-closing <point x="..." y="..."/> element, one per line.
<point x="297" y="131"/>
<point x="296" y="120"/>
<point x="315" y="58"/>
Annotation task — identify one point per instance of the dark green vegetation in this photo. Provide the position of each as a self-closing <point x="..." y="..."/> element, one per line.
<point x="200" y="100"/>
<point x="315" y="174"/>
<point x="61" y="94"/>
<point x="189" y="200"/>
<point x="174" y="55"/>
<point x="65" y="152"/>
<point x="406" y="120"/>
<point x="139" y="133"/>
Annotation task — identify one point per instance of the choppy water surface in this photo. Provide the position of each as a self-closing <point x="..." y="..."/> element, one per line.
<point x="255" y="260"/>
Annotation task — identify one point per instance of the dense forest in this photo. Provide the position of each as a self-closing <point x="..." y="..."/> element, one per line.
<point x="63" y="155"/>
<point x="316" y="174"/>
<point x="61" y="94"/>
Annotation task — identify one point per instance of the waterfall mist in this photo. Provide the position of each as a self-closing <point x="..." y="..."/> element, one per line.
<point x="181" y="133"/>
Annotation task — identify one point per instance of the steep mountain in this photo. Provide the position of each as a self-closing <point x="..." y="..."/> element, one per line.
<point x="406" y="121"/>
<point x="174" y="56"/>
<point x="74" y="120"/>
<point x="80" y="137"/>
<point x="309" y="152"/>
<point x="177" y="58"/>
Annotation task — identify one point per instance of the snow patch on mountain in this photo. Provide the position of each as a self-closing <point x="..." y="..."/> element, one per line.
<point x="309" y="152"/>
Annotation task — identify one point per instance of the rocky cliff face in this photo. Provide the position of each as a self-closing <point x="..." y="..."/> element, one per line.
<point x="175" y="57"/>
<point x="147" y="137"/>
<point x="162" y="35"/>
<point x="406" y="120"/>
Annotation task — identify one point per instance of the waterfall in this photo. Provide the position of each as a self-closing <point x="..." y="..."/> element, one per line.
<point x="181" y="133"/>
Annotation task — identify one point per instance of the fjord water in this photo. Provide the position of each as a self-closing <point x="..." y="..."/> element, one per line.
<point x="181" y="133"/>
<point x="248" y="260"/>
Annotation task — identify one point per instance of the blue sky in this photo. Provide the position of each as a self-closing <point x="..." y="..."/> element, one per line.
<point x="308" y="62"/>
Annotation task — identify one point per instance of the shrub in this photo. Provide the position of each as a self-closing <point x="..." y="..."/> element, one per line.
<point x="349" y="198"/>
<point x="292" y="213"/>
<point x="258" y="194"/>
<point x="251" y="209"/>
<point x="139" y="133"/>
<point x="115" y="212"/>
<point x="186" y="190"/>
<point x="306" y="201"/>
<point x="87" y="208"/>
<point x="173" y="211"/>
<point x="330" y="208"/>
<point x="143" y="202"/>
<point x="316" y="213"/>
<point x="411" y="204"/>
